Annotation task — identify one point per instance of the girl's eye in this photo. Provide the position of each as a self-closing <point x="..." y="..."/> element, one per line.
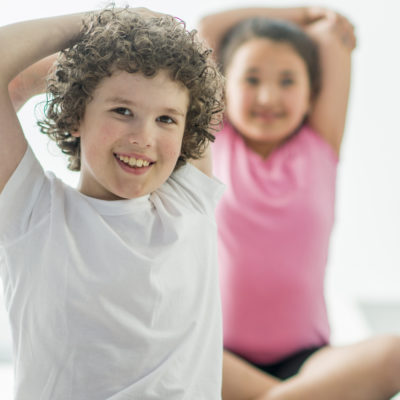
<point x="252" y="80"/>
<point x="165" y="119"/>
<point x="122" y="111"/>
<point x="287" y="82"/>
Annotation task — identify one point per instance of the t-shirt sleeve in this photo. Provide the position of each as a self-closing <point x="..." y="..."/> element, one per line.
<point x="195" y="189"/>
<point x="18" y="198"/>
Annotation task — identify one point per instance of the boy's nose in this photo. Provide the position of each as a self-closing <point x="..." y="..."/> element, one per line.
<point x="140" y="135"/>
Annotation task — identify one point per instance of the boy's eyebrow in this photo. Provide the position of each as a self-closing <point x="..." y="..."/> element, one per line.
<point x="118" y="99"/>
<point x="122" y="100"/>
<point x="174" y="111"/>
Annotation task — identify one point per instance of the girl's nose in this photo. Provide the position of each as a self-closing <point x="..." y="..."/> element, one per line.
<point x="266" y="94"/>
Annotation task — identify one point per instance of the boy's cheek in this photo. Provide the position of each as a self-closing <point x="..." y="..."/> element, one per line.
<point x="173" y="156"/>
<point x="173" y="148"/>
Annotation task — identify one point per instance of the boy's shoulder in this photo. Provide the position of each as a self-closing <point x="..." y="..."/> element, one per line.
<point x="191" y="187"/>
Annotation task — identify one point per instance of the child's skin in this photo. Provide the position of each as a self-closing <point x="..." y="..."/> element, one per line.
<point x="265" y="114"/>
<point x="262" y="96"/>
<point x="153" y="136"/>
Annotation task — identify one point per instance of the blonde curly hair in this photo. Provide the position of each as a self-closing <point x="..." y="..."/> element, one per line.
<point x="129" y="41"/>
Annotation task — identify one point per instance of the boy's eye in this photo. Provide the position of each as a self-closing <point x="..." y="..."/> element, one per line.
<point x="252" y="80"/>
<point x="166" y="119"/>
<point x="122" y="111"/>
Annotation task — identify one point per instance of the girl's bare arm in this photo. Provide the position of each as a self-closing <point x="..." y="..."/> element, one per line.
<point x="213" y="27"/>
<point x="335" y="37"/>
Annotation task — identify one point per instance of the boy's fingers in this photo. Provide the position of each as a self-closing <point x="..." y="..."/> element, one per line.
<point x="147" y="12"/>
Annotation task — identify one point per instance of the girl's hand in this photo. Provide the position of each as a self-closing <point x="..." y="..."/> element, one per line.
<point x="319" y="19"/>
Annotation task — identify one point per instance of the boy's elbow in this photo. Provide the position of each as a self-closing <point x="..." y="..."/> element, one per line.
<point x="203" y="165"/>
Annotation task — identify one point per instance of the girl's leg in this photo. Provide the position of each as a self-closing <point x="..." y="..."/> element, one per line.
<point x="369" y="370"/>
<point x="242" y="381"/>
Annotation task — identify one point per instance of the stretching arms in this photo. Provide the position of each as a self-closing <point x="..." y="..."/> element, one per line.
<point x="335" y="38"/>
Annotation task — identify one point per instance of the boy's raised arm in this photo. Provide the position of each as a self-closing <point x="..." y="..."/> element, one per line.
<point x="21" y="45"/>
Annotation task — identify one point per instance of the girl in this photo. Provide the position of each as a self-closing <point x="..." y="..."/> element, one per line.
<point x="287" y="86"/>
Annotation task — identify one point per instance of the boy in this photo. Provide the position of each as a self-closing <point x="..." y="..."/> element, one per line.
<point x="112" y="289"/>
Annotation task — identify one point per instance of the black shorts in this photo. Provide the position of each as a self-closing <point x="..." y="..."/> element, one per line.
<point x="289" y="366"/>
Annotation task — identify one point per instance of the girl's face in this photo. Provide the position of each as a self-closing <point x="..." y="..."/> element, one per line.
<point x="267" y="91"/>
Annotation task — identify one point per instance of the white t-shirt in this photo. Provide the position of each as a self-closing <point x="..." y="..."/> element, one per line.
<point x="112" y="300"/>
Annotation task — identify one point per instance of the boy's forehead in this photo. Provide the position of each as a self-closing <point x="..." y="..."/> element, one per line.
<point x="159" y="90"/>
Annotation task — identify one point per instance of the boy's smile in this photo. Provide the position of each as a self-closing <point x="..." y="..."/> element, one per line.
<point x="131" y="135"/>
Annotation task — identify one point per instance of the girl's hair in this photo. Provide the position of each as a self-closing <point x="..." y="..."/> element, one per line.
<point x="124" y="40"/>
<point x="278" y="31"/>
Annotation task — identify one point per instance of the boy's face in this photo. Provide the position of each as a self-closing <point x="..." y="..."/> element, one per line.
<point x="131" y="135"/>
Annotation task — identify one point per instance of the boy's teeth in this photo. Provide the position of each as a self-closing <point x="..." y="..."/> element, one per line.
<point x="133" y="162"/>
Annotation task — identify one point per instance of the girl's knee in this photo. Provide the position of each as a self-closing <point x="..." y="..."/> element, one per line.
<point x="388" y="347"/>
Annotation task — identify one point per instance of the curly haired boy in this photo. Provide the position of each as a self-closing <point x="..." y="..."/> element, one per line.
<point x="112" y="287"/>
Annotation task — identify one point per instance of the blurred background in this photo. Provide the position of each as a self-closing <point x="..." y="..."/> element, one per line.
<point x="363" y="281"/>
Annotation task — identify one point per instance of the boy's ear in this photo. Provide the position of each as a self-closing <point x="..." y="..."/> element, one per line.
<point x="75" y="134"/>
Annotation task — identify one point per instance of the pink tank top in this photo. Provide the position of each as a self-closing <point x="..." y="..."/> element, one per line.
<point x="274" y="222"/>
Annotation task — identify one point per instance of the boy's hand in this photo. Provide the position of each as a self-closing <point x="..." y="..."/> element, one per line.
<point x="147" y="13"/>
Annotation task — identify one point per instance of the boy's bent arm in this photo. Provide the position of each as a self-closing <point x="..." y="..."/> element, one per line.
<point x="204" y="164"/>
<point x="21" y="45"/>
<point x="30" y="82"/>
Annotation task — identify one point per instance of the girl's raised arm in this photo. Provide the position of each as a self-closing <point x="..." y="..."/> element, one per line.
<point x="213" y="27"/>
<point x="335" y="38"/>
<point x="21" y="45"/>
